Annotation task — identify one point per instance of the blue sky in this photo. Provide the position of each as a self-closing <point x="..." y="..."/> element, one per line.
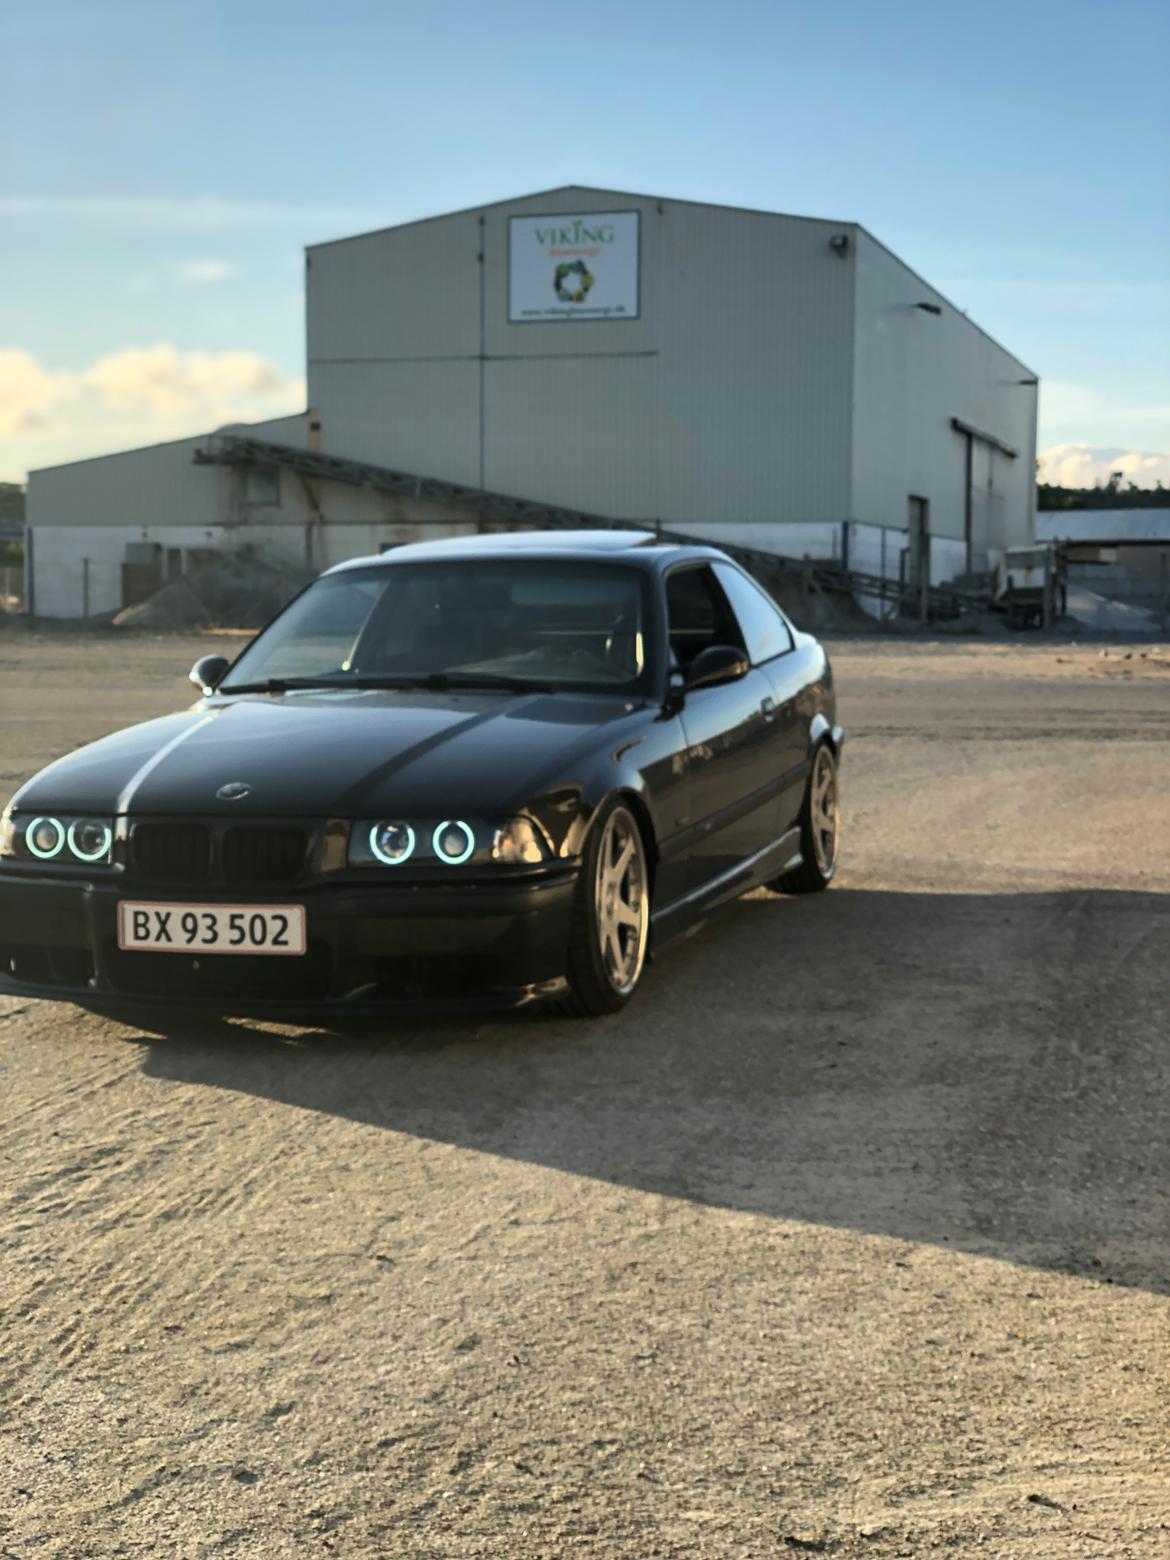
<point x="162" y="165"/>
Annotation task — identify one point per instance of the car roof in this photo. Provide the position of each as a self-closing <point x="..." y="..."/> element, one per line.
<point x="641" y="546"/>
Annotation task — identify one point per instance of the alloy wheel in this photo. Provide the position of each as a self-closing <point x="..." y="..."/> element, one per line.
<point x="825" y="816"/>
<point x="621" y="901"/>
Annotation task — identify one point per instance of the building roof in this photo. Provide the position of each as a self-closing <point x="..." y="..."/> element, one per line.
<point x="1103" y="527"/>
<point x="706" y="205"/>
<point x="583" y="189"/>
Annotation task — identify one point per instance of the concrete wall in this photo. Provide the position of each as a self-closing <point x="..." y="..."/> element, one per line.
<point x="79" y="568"/>
<point x="727" y="400"/>
<point x="913" y="373"/>
<point x="1126" y="573"/>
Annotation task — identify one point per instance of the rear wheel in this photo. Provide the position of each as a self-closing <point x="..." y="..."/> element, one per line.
<point x="820" y="829"/>
<point x="611" y="915"/>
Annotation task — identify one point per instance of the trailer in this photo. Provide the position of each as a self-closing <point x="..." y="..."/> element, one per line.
<point x="1030" y="585"/>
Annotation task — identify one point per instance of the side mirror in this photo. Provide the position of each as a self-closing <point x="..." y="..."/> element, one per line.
<point x="208" y="671"/>
<point x="716" y="664"/>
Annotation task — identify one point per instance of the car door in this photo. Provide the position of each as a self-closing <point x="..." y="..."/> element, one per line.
<point x="733" y="801"/>
<point x="771" y="647"/>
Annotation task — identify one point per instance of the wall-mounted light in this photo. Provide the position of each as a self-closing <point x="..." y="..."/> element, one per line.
<point x="839" y="243"/>
<point x="928" y="308"/>
<point x="1025" y="381"/>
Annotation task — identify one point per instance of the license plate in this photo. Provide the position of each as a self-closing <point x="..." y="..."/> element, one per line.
<point x="172" y="928"/>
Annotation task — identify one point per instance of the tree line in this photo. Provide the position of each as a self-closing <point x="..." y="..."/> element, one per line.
<point x="1108" y="495"/>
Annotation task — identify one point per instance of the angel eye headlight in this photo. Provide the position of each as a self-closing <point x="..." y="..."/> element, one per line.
<point x="45" y="838"/>
<point x="392" y="843"/>
<point x="453" y="842"/>
<point x="89" y="839"/>
<point x="519" y="841"/>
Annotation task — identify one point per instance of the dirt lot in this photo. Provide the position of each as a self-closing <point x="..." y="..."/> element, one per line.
<point x="851" y="1237"/>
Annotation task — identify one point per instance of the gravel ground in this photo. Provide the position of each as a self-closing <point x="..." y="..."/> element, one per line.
<point x="848" y="1238"/>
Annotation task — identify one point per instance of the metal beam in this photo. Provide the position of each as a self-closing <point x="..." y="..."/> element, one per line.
<point x="960" y="426"/>
<point x="235" y="449"/>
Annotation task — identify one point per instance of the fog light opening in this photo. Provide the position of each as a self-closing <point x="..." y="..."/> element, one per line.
<point x="449" y="837"/>
<point x="45" y="837"/>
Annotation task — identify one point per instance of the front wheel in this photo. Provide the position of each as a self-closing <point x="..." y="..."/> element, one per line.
<point x="611" y="915"/>
<point x="820" y="829"/>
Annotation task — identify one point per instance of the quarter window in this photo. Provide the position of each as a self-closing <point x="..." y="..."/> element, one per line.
<point x="697" y="615"/>
<point x="765" y="631"/>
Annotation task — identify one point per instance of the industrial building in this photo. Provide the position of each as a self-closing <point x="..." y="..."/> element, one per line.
<point x="778" y="381"/>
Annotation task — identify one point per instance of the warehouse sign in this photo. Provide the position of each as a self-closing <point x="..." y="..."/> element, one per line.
<point x="573" y="268"/>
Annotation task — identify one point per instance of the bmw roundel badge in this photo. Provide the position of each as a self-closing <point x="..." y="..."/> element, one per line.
<point x="234" y="791"/>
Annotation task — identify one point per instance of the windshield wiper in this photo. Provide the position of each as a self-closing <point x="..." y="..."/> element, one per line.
<point x="281" y="685"/>
<point x="436" y="682"/>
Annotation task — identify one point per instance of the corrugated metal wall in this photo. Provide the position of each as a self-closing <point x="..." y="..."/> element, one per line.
<point x="727" y="399"/>
<point x="914" y="371"/>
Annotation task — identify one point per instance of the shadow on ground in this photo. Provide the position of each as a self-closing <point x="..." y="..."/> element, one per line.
<point x="984" y="1072"/>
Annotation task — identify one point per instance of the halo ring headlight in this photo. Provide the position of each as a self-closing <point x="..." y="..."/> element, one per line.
<point x="78" y="849"/>
<point x="451" y="858"/>
<point x="383" y="855"/>
<point x="42" y="852"/>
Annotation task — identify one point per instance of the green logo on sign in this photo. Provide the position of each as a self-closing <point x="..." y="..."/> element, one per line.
<point x="572" y="281"/>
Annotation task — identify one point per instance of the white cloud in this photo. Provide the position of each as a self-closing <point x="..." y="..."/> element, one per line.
<point x="29" y="392"/>
<point x="1085" y="465"/>
<point x="187" y="273"/>
<point x="202" y="273"/>
<point x="165" y="383"/>
<point x="139" y="395"/>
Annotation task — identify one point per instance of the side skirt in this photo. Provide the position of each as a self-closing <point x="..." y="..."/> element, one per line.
<point x="782" y="855"/>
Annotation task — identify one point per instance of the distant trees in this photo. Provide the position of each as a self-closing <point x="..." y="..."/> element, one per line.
<point x="1111" y="495"/>
<point x="11" y="501"/>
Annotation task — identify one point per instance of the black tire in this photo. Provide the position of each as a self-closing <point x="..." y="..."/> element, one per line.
<point x="607" y="949"/>
<point x="819" y="854"/>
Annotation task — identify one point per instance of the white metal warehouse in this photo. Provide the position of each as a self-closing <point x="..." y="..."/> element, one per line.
<point x="779" y="381"/>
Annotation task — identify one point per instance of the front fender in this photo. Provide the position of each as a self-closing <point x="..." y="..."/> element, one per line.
<point x="647" y="766"/>
<point x="820" y="730"/>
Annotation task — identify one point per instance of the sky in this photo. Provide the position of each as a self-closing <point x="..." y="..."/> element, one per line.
<point x="163" y="165"/>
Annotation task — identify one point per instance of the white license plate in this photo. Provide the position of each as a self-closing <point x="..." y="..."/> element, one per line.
<point x="198" y="929"/>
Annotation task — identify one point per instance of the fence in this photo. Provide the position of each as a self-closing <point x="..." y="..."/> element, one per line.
<point x="11" y="587"/>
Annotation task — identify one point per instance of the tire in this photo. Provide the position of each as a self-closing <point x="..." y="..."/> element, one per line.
<point x="820" y="829"/>
<point x="611" y="916"/>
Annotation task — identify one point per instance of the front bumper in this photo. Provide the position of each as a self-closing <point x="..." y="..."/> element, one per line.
<point x="370" y="947"/>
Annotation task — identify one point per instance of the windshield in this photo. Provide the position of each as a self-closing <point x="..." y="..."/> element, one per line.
<point x="549" y="622"/>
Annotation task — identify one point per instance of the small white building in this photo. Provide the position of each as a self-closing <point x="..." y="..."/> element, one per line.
<point x="778" y="381"/>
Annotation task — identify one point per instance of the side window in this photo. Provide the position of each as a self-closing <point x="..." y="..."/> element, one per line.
<point x="697" y="615"/>
<point x="765" y="633"/>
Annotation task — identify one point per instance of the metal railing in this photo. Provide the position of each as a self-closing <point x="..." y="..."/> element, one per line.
<point x="813" y="575"/>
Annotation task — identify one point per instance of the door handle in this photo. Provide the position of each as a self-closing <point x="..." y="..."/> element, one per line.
<point x="768" y="709"/>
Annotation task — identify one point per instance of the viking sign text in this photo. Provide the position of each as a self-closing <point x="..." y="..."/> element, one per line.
<point x="574" y="268"/>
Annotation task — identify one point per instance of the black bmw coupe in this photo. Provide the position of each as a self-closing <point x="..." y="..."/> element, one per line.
<point x="484" y="771"/>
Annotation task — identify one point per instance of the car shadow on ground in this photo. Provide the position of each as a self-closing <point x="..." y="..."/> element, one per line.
<point x="982" y="1072"/>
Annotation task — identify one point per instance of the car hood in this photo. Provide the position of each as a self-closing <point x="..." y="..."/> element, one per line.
<point x="337" y="754"/>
